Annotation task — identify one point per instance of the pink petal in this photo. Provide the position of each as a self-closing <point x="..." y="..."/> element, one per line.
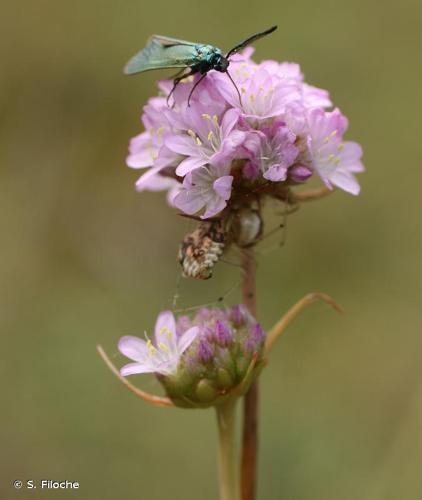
<point x="214" y="206"/>
<point x="133" y="348"/>
<point x="165" y="329"/>
<point x="182" y="144"/>
<point x="276" y="173"/>
<point x="187" y="338"/>
<point x="350" y="157"/>
<point x="190" y="163"/>
<point x="231" y="117"/>
<point x="134" y="368"/>
<point x="189" y="201"/>
<point x="146" y="181"/>
<point x="346" y="181"/>
<point x="141" y="159"/>
<point x="223" y="186"/>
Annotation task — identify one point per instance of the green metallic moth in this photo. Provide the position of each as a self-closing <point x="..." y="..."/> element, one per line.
<point x="163" y="52"/>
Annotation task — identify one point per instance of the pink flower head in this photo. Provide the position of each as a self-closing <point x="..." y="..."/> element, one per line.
<point x="161" y="356"/>
<point x="278" y="132"/>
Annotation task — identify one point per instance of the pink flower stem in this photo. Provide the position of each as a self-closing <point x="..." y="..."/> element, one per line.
<point x="250" y="407"/>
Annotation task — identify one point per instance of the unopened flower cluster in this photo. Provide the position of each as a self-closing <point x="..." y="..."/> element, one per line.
<point x="200" y="360"/>
<point x="281" y="133"/>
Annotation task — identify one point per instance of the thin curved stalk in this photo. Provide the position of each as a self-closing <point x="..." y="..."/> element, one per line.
<point x="291" y="314"/>
<point x="149" y="398"/>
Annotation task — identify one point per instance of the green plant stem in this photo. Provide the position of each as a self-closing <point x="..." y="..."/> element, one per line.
<point x="250" y="408"/>
<point x="227" y="457"/>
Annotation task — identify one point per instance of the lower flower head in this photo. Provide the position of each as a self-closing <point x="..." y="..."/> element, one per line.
<point x="201" y="360"/>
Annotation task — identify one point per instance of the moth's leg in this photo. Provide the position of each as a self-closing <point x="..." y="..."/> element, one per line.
<point x="177" y="80"/>
<point x="194" y="87"/>
<point x="178" y="74"/>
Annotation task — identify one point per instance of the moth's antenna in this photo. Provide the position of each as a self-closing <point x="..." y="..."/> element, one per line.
<point x="249" y="40"/>
<point x="235" y="86"/>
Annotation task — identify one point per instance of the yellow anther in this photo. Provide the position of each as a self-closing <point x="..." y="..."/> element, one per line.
<point x="333" y="133"/>
<point x="210" y="135"/>
<point x="198" y="141"/>
<point x="340" y="147"/>
<point x="151" y="130"/>
<point x="243" y="90"/>
<point x="325" y="141"/>
<point x="152" y="153"/>
<point x="337" y="160"/>
<point x="206" y="116"/>
<point x="331" y="157"/>
<point x="164" y="347"/>
<point x="252" y="97"/>
<point x="160" y="131"/>
<point x="215" y="119"/>
<point x="151" y="348"/>
<point x="191" y="133"/>
<point x="164" y="330"/>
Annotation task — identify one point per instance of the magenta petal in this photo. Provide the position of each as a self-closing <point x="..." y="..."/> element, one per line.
<point x="300" y="173"/>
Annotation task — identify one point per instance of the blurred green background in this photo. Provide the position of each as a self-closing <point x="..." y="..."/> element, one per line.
<point x="85" y="259"/>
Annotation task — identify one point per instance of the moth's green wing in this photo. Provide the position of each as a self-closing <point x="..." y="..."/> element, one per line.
<point x="162" y="52"/>
<point x="168" y="42"/>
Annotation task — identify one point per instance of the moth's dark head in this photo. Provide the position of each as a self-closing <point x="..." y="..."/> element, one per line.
<point x="221" y="63"/>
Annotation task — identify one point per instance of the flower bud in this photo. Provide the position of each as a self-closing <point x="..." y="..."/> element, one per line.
<point x="300" y="173"/>
<point x="221" y="362"/>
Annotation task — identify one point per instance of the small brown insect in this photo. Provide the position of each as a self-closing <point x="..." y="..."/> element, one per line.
<point x="201" y="249"/>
